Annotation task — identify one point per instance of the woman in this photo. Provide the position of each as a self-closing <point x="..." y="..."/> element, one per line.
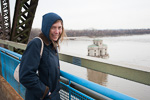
<point x="45" y="85"/>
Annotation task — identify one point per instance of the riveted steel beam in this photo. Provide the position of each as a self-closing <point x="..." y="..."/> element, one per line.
<point x="22" y="21"/>
<point x="5" y="21"/>
<point x="1" y="27"/>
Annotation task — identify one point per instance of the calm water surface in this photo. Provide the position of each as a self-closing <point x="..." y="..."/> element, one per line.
<point x="132" y="50"/>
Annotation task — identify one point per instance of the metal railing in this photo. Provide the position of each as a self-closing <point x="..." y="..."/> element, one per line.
<point x="10" y="60"/>
<point x="129" y="72"/>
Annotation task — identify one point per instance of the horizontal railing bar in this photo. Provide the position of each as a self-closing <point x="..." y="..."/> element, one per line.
<point x="13" y="44"/>
<point x="76" y="91"/>
<point x="119" y="70"/>
<point x="10" y="57"/>
<point x="11" y="53"/>
<point x="84" y="90"/>
<point x="96" y="87"/>
<point x="124" y="71"/>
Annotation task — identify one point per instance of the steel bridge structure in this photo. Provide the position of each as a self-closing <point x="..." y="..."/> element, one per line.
<point x="21" y="26"/>
<point x="16" y="36"/>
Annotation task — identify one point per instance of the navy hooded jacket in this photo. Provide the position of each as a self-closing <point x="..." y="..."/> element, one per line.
<point x="47" y="80"/>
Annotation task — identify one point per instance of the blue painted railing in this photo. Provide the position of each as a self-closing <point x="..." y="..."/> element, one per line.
<point x="9" y="61"/>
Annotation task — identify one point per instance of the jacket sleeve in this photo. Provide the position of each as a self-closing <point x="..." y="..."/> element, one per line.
<point x="29" y="65"/>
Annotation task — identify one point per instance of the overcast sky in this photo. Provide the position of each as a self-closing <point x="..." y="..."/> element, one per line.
<point x="95" y="14"/>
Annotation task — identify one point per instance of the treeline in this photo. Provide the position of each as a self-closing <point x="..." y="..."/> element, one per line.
<point x="34" y="32"/>
<point x="103" y="33"/>
<point x="98" y="33"/>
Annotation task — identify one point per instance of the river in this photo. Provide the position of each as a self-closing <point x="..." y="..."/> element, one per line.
<point x="133" y="50"/>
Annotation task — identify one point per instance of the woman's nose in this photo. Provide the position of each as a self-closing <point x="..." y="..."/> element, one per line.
<point x="57" y="30"/>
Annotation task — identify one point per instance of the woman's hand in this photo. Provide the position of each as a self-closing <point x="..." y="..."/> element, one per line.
<point x="49" y="93"/>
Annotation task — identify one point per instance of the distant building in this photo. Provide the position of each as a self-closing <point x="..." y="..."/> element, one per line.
<point x="98" y="49"/>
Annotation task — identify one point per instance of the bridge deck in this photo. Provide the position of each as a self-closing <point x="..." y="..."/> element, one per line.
<point x="7" y="92"/>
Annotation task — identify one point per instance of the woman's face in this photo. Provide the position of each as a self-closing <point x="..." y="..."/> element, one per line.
<point x="55" y="31"/>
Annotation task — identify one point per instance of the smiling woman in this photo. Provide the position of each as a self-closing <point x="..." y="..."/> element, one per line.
<point x="45" y="85"/>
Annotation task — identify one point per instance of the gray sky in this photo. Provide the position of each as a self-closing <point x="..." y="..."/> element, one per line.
<point x="95" y="14"/>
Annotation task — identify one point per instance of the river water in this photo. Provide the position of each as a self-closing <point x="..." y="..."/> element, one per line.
<point x="133" y="50"/>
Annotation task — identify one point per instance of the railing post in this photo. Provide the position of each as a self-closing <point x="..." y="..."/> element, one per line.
<point x="69" y="90"/>
<point x="11" y="48"/>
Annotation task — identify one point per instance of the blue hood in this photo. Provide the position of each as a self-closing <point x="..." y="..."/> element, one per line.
<point x="48" y="20"/>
